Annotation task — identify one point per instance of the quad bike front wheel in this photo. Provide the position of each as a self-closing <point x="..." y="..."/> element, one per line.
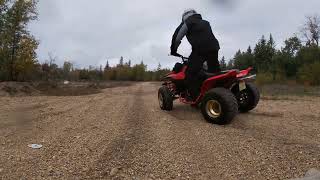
<point x="248" y="98"/>
<point x="219" y="106"/>
<point x="165" y="99"/>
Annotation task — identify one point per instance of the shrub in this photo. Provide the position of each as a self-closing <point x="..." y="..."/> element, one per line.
<point x="310" y="74"/>
<point x="270" y="78"/>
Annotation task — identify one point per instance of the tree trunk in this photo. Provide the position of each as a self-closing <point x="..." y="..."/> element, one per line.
<point x="11" y="68"/>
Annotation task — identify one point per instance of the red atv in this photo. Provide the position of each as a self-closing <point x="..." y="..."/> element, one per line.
<point x="221" y="97"/>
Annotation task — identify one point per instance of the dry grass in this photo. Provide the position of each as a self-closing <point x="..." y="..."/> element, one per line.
<point x="291" y="89"/>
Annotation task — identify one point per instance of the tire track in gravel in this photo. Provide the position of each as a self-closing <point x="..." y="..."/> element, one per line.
<point x="83" y="137"/>
<point x="155" y="144"/>
<point x="181" y="151"/>
<point x="133" y="141"/>
<point x="69" y="134"/>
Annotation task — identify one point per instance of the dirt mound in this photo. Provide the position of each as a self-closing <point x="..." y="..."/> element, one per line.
<point x="76" y="88"/>
<point x="18" y="89"/>
<point x="72" y="89"/>
<point x="56" y="88"/>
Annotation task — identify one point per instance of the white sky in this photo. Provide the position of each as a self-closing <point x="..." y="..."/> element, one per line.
<point x="91" y="32"/>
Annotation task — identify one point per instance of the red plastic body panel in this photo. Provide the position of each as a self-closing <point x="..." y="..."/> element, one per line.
<point x="209" y="83"/>
<point x="244" y="73"/>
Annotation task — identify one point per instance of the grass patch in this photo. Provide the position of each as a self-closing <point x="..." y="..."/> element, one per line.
<point x="289" y="89"/>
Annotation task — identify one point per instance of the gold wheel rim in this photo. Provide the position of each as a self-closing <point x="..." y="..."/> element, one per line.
<point x="213" y="108"/>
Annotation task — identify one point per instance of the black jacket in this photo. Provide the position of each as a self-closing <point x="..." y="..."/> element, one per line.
<point x="199" y="35"/>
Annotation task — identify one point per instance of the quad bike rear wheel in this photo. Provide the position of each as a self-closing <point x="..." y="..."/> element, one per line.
<point x="165" y="99"/>
<point x="248" y="98"/>
<point x="219" y="106"/>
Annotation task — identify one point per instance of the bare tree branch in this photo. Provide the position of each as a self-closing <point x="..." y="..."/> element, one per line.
<point x="311" y="30"/>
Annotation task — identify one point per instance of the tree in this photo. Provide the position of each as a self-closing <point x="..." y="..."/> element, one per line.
<point x="67" y="67"/>
<point x="129" y="63"/>
<point x="3" y="65"/>
<point x="243" y="60"/>
<point x="311" y="30"/>
<point x="250" y="58"/>
<point x="26" y="62"/>
<point x="13" y="32"/>
<point x="159" y="67"/>
<point x="223" y="64"/>
<point x="230" y="64"/>
<point x="292" y="46"/>
<point x="263" y="54"/>
<point x="138" y="72"/>
<point x="260" y="53"/>
<point x="107" y="67"/>
<point x="249" y="50"/>
<point x="121" y="61"/>
<point x="308" y="55"/>
<point x="3" y="9"/>
<point x="309" y="73"/>
<point x="286" y="58"/>
<point x="271" y="60"/>
<point x="271" y="46"/>
<point x="157" y="74"/>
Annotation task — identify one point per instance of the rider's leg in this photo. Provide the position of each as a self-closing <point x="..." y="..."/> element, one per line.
<point x="195" y="65"/>
<point x="212" y="61"/>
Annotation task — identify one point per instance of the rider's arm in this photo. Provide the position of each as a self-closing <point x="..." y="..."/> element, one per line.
<point x="178" y="35"/>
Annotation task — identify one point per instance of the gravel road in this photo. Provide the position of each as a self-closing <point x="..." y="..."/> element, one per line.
<point x="122" y="134"/>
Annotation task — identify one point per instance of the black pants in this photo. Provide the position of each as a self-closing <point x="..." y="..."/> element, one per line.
<point x="195" y="65"/>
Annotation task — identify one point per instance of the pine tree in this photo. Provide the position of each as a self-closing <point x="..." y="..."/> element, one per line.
<point x="159" y="67"/>
<point x="249" y="50"/>
<point x="107" y="67"/>
<point x="260" y="54"/>
<point x="223" y="64"/>
<point x="121" y="61"/>
<point x="271" y="47"/>
<point x="230" y="64"/>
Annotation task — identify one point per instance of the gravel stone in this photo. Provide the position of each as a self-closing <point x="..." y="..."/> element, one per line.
<point x="90" y="137"/>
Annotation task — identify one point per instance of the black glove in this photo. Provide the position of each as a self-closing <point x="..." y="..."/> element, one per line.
<point x="175" y="54"/>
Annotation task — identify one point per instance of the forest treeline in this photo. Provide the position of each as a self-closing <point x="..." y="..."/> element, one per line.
<point x="298" y="59"/>
<point x="123" y="71"/>
<point x="18" y="59"/>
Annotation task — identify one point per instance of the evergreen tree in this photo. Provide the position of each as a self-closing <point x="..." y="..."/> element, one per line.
<point x="223" y="64"/>
<point x="249" y="50"/>
<point x="121" y="61"/>
<point x="230" y="64"/>
<point x="260" y="54"/>
<point x="107" y="67"/>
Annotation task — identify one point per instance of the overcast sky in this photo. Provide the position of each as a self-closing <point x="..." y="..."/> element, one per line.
<point x="91" y="32"/>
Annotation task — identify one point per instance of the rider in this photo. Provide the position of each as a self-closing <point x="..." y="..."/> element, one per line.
<point x="205" y="48"/>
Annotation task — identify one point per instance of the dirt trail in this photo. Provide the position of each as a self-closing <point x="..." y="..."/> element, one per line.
<point x="122" y="134"/>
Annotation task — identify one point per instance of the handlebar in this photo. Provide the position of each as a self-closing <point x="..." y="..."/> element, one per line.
<point x="184" y="59"/>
